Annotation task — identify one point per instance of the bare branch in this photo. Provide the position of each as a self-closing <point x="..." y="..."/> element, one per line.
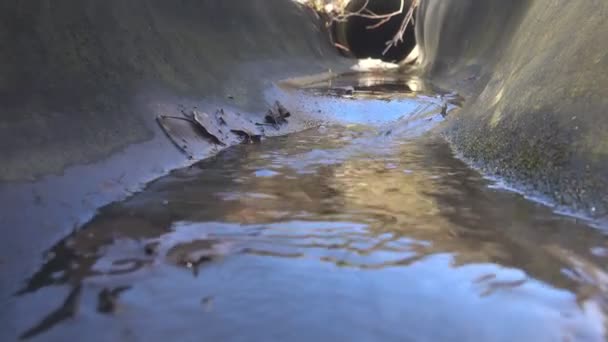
<point x="398" y="38"/>
<point x="364" y="12"/>
<point x="341" y="47"/>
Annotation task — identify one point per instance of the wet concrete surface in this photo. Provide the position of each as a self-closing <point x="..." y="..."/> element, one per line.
<point x="536" y="75"/>
<point x="364" y="228"/>
<point x="83" y="82"/>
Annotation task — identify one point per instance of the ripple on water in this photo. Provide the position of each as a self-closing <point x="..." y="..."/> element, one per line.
<point x="344" y="233"/>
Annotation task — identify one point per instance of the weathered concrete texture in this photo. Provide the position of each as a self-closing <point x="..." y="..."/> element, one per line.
<point x="83" y="81"/>
<point x="69" y="70"/>
<point x="536" y="73"/>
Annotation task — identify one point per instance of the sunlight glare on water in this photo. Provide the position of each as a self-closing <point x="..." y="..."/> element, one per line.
<point x="356" y="233"/>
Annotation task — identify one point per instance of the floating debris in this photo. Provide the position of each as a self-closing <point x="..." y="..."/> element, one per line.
<point x="244" y="130"/>
<point x="454" y="99"/>
<point x="151" y="248"/>
<point x="444" y="110"/>
<point x="180" y="143"/>
<point x="373" y="64"/>
<point x="209" y="127"/>
<point x="277" y="115"/>
<point x="107" y="300"/>
<point x="234" y="120"/>
<point x="193" y="254"/>
<point x="247" y="137"/>
<point x="198" y="133"/>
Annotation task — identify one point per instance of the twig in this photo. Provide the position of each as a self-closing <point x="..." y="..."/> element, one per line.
<point x="398" y="38"/>
<point x="341" y="47"/>
<point x="364" y="12"/>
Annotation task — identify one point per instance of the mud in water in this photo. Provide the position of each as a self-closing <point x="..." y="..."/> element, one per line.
<point x="349" y="232"/>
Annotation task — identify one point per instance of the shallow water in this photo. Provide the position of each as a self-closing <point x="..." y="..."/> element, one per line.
<point x="351" y="231"/>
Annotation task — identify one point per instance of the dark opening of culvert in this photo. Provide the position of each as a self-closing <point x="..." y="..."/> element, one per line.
<point x="366" y="37"/>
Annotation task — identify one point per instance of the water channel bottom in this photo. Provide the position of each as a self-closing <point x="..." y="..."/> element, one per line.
<point x="360" y="230"/>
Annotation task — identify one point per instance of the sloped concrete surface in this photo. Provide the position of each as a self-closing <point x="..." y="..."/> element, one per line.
<point x="535" y="73"/>
<point x="82" y="84"/>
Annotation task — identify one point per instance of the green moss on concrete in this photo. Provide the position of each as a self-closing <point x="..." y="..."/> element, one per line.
<point x="537" y="109"/>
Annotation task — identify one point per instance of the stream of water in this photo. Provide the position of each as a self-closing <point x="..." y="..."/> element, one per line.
<point x="349" y="232"/>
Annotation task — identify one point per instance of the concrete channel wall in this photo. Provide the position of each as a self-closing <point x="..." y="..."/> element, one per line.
<point x="83" y="81"/>
<point x="536" y="75"/>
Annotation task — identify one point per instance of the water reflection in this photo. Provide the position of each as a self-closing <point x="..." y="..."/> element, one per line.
<point x="378" y="230"/>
